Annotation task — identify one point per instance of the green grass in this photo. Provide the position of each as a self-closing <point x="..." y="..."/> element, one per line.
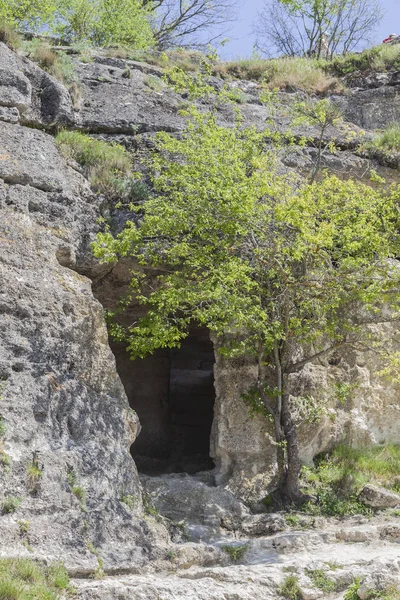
<point x="25" y="579"/>
<point x="337" y="479"/>
<point x="321" y="580"/>
<point x="378" y="58"/>
<point x="154" y="83"/>
<point x="389" y="139"/>
<point x="107" y="166"/>
<point x="290" y="588"/>
<point x="3" y="427"/>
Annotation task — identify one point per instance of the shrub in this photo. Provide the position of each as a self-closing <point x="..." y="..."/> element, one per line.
<point x="104" y="23"/>
<point x="10" y="504"/>
<point x="290" y="588"/>
<point x="337" y="478"/>
<point x="3" y="427"/>
<point x="29" y="15"/>
<point x="351" y="592"/>
<point x="35" y="474"/>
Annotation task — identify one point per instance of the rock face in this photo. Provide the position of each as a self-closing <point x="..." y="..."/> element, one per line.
<point x="63" y="408"/>
<point x="66" y="426"/>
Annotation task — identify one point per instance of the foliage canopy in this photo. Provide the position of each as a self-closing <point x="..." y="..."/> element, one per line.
<point x="268" y="263"/>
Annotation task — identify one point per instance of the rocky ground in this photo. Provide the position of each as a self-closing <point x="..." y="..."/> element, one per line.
<point x="344" y="550"/>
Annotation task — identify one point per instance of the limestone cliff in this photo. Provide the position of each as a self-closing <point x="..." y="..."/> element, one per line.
<point x="63" y="406"/>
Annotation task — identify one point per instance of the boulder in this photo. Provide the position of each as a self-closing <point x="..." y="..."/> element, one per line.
<point x="378" y="497"/>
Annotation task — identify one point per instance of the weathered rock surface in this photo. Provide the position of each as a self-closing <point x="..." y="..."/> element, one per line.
<point x="62" y="407"/>
<point x="34" y="97"/>
<point x="265" y="565"/>
<point x="378" y="497"/>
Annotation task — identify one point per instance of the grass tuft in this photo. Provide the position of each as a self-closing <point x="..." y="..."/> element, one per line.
<point x="235" y="553"/>
<point x="25" y="579"/>
<point x="290" y="588"/>
<point x="389" y="139"/>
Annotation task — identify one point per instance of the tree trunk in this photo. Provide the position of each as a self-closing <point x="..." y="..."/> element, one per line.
<point x="290" y="485"/>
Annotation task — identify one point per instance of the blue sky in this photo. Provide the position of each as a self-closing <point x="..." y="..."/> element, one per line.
<point x="241" y="38"/>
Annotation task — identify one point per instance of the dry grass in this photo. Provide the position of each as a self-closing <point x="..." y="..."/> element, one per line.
<point x="9" y="36"/>
<point x="300" y="74"/>
<point x="44" y="55"/>
<point x="252" y="69"/>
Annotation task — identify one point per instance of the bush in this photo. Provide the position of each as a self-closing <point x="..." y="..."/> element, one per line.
<point x="337" y="479"/>
<point x="321" y="580"/>
<point x="104" y="23"/>
<point x="10" y="504"/>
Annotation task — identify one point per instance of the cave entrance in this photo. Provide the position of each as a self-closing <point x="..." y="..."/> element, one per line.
<point x="173" y="393"/>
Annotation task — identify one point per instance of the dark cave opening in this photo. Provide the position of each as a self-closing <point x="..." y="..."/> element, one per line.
<point x="173" y="393"/>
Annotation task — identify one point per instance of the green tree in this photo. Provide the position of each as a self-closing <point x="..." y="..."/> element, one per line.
<point x="104" y="22"/>
<point x="26" y="15"/>
<point x="280" y="271"/>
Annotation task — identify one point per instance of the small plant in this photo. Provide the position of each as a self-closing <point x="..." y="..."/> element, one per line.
<point x="154" y="83"/>
<point x="129" y="500"/>
<point x="290" y="588"/>
<point x="389" y="139"/>
<point x="150" y="509"/>
<point x="293" y="520"/>
<point x="236" y="553"/>
<point x="351" y="592"/>
<point x="35" y="474"/>
<point x="23" y="527"/>
<point x="3" y="427"/>
<point x="43" y="54"/>
<point x="344" y="392"/>
<point x="99" y="572"/>
<point x="10" y="504"/>
<point x="78" y="490"/>
<point x="321" y="580"/>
